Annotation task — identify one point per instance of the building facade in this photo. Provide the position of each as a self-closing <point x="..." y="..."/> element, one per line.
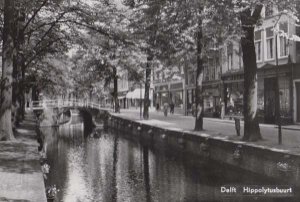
<point x="276" y="39"/>
<point x="275" y="47"/>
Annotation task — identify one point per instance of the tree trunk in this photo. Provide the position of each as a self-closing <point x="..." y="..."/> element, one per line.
<point x="18" y="64"/>
<point x="21" y="57"/>
<point x="22" y="90"/>
<point x="117" y="109"/>
<point x="147" y="89"/>
<point x="146" y="173"/>
<point x="113" y="188"/>
<point x="15" y="89"/>
<point x="7" y="68"/>
<point x="199" y="79"/>
<point x="251" y="125"/>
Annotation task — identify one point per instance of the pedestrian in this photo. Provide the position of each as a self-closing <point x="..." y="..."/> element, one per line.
<point x="222" y="110"/>
<point x="237" y="124"/>
<point x="166" y="107"/>
<point x="157" y="106"/>
<point x="172" y="107"/>
<point x="194" y="109"/>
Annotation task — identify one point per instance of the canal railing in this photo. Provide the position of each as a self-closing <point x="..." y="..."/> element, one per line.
<point x="60" y="103"/>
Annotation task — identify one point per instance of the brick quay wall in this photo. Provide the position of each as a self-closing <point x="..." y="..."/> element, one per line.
<point x="248" y="156"/>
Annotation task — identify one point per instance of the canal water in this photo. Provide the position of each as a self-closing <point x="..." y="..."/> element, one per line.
<point x="112" y="167"/>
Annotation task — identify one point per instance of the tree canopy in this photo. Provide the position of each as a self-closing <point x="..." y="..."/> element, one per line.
<point x="76" y="46"/>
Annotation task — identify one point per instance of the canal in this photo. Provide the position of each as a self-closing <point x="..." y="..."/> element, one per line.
<point x="112" y="167"/>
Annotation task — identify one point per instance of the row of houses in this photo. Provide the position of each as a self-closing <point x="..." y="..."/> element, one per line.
<point x="275" y="40"/>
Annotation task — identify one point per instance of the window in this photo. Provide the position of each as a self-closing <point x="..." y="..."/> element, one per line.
<point x="229" y="56"/>
<point x="181" y="70"/>
<point x="210" y="68"/>
<point x="191" y="77"/>
<point x="269" y="10"/>
<point x="205" y="71"/>
<point x="257" y="38"/>
<point x="157" y="75"/>
<point x="217" y="67"/>
<point x="283" y="42"/>
<point x="270" y="43"/>
<point x="229" y="62"/>
<point x="283" y="46"/>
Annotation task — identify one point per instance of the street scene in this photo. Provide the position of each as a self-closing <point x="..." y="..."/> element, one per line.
<point x="150" y="100"/>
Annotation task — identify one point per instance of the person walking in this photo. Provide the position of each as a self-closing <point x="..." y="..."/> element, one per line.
<point x="157" y="106"/>
<point x="166" y="107"/>
<point x="222" y="110"/>
<point x="172" y="107"/>
<point x="194" y="109"/>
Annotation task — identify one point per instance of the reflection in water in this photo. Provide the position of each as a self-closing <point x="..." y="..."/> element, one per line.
<point x="113" y="168"/>
<point x="114" y="190"/>
<point x="146" y="172"/>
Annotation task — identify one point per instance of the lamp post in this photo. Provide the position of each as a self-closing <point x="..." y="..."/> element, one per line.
<point x="141" y="101"/>
<point x="277" y="94"/>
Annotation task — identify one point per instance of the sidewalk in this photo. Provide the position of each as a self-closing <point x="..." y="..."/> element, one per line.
<point x="222" y="129"/>
<point x="21" y="177"/>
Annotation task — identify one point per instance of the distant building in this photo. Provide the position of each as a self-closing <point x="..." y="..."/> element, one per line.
<point x="177" y="85"/>
<point x="123" y="88"/>
<point x="130" y="93"/>
<point x="169" y="85"/>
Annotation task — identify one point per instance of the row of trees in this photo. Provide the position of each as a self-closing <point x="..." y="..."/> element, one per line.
<point x="110" y="36"/>
<point x="29" y="35"/>
<point x="177" y="30"/>
<point x="36" y="37"/>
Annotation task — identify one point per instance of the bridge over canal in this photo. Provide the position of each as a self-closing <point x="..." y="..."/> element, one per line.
<point x="62" y="111"/>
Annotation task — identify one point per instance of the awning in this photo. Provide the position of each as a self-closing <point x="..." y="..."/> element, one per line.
<point x="136" y="94"/>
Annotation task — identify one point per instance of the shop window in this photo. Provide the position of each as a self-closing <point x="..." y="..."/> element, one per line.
<point x="260" y="95"/>
<point x="284" y="93"/>
<point x="177" y="97"/>
<point x="270" y="43"/>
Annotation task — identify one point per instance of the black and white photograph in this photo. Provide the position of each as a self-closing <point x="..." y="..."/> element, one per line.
<point x="150" y="100"/>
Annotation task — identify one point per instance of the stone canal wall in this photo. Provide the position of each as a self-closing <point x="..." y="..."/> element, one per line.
<point x="262" y="160"/>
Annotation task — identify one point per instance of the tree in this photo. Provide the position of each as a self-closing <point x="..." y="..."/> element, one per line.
<point x="250" y="15"/>
<point x="199" y="80"/>
<point x="178" y="31"/>
<point x="32" y="31"/>
<point x="8" y="51"/>
<point x="108" y="55"/>
<point x="248" y="21"/>
<point x="144" y="28"/>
